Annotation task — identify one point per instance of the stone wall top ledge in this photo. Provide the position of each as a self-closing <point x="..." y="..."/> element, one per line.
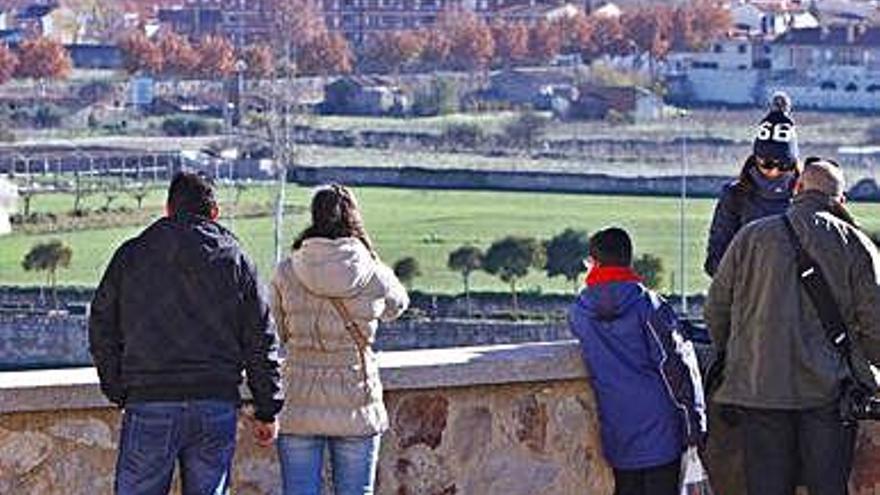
<point x="76" y="388"/>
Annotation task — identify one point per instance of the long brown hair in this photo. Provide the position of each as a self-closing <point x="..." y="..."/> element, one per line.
<point x="335" y="214"/>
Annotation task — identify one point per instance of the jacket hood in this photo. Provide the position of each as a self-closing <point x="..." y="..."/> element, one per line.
<point x="609" y="301"/>
<point x="191" y="242"/>
<point x="333" y="267"/>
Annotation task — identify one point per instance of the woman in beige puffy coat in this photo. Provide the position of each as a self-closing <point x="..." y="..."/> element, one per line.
<point x="327" y="298"/>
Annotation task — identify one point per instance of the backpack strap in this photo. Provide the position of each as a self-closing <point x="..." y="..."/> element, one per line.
<point x="360" y="340"/>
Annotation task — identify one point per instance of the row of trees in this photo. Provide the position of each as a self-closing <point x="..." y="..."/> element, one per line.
<point x="513" y="257"/>
<point x="459" y="39"/>
<point x="39" y="59"/>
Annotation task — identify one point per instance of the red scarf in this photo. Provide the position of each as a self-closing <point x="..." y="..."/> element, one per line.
<point x="607" y="274"/>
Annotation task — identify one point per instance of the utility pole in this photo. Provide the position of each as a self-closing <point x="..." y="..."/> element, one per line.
<point x="681" y="217"/>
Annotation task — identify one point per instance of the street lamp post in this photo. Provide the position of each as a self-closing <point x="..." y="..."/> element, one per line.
<point x="681" y="216"/>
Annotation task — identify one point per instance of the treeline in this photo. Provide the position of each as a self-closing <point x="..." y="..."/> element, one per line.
<point x="512" y="258"/>
<point x="460" y="39"/>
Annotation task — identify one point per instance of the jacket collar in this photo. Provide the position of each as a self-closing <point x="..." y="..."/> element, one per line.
<point x="607" y="274"/>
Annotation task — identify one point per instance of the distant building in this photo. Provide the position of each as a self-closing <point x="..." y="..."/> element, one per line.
<point x="35" y="20"/>
<point x="364" y="95"/>
<point x="532" y="14"/>
<point x="8" y="204"/>
<point x="770" y="18"/>
<point x="730" y="72"/>
<point x="836" y="67"/>
<point x="525" y="87"/>
<point x="632" y="103"/>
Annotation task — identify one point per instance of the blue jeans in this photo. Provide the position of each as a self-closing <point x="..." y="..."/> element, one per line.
<point x="200" y="434"/>
<point x="353" y="460"/>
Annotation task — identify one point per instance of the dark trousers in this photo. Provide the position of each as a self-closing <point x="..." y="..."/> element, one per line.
<point x="660" y="480"/>
<point x="780" y="443"/>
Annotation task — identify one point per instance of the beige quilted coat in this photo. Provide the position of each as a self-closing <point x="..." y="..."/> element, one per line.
<point x="326" y="393"/>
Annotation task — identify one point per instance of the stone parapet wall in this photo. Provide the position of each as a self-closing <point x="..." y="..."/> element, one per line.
<point x="499" y="420"/>
<point x="35" y="340"/>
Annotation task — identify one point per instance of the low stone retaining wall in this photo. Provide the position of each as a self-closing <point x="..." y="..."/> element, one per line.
<point x="508" y="420"/>
<point x="502" y="420"/>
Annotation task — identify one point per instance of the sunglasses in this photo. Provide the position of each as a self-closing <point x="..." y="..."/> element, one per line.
<point x="781" y="165"/>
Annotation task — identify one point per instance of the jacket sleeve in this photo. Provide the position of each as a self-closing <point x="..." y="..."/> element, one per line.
<point x="396" y="298"/>
<point x="866" y="295"/>
<point x="676" y="361"/>
<point x="717" y="310"/>
<point x="106" y="341"/>
<point x="725" y="224"/>
<point x="260" y="346"/>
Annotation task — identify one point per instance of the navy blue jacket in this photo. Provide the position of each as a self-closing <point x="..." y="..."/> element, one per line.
<point x="179" y="314"/>
<point x="643" y="373"/>
<point x="738" y="205"/>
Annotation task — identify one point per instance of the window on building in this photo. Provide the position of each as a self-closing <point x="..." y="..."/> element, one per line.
<point x="717" y="48"/>
<point x="705" y="65"/>
<point x="828" y="86"/>
<point x="743" y="48"/>
<point x="873" y="88"/>
<point x="851" y="88"/>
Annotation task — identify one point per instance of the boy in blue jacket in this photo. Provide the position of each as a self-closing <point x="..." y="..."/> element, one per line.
<point x="644" y="374"/>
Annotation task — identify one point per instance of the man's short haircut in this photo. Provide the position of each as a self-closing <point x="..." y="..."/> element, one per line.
<point x="611" y="247"/>
<point x="191" y="193"/>
<point x="824" y="176"/>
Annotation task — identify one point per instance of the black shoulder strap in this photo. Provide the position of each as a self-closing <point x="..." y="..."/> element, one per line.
<point x="820" y="294"/>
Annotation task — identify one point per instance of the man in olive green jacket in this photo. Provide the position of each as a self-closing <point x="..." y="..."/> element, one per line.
<point x="781" y="372"/>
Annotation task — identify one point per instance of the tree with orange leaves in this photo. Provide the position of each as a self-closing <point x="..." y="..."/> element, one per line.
<point x="8" y="64"/>
<point x="471" y="43"/>
<point x="259" y="61"/>
<point x="511" y="41"/>
<point x="436" y="47"/>
<point x="180" y="59"/>
<point x="576" y="32"/>
<point x="545" y="41"/>
<point x="711" y="20"/>
<point x="394" y="50"/>
<point x="216" y="58"/>
<point x="326" y="54"/>
<point x="608" y="38"/>
<point x="139" y="54"/>
<point x="43" y="59"/>
<point x="649" y="28"/>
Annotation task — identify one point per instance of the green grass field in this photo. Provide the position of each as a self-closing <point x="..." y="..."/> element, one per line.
<point x="426" y="225"/>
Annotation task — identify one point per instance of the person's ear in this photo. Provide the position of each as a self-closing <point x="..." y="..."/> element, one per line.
<point x="167" y="210"/>
<point x="215" y="212"/>
<point x="799" y="185"/>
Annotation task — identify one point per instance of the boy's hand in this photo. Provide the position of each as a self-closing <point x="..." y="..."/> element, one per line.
<point x="265" y="433"/>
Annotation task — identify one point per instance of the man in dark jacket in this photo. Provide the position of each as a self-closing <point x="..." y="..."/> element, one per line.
<point x="781" y="371"/>
<point x="178" y="316"/>
<point x="643" y="373"/>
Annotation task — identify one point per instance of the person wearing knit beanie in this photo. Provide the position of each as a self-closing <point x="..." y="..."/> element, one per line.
<point x="766" y="181"/>
<point x="776" y="136"/>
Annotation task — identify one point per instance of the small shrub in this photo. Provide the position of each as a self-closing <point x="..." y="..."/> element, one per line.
<point x="463" y="135"/>
<point x="189" y="126"/>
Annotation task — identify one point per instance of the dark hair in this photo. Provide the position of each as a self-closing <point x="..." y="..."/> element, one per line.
<point x="335" y="214"/>
<point x="191" y="193"/>
<point x="611" y="247"/>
